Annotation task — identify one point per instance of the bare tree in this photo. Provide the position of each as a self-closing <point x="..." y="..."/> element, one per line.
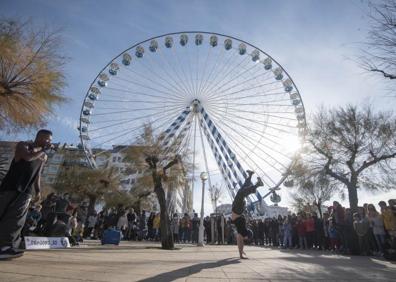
<point x="215" y="192"/>
<point x="88" y="183"/>
<point x="379" y="54"/>
<point x="31" y="75"/>
<point x="313" y="187"/>
<point x="352" y="145"/>
<point x="162" y="164"/>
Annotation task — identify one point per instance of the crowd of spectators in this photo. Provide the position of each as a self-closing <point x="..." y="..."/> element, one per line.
<point x="366" y="232"/>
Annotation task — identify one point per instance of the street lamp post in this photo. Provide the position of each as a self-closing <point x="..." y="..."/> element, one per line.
<point x="204" y="177"/>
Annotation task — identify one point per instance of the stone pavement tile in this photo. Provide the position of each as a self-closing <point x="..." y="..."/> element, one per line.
<point x="243" y="275"/>
<point x="11" y="277"/>
<point x="138" y="261"/>
<point x="206" y="280"/>
<point x="208" y="275"/>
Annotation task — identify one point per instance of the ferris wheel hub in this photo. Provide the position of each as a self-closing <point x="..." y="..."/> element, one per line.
<point x="195" y="106"/>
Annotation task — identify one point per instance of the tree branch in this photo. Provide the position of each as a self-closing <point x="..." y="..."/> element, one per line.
<point x="387" y="75"/>
<point x="333" y="174"/>
<point x="374" y="161"/>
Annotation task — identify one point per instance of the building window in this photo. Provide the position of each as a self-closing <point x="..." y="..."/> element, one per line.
<point x="119" y="159"/>
<point x="114" y="159"/>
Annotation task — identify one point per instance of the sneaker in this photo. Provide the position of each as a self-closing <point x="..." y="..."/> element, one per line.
<point x="11" y="253"/>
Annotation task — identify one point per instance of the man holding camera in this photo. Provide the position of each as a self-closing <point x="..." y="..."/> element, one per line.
<point x="16" y="191"/>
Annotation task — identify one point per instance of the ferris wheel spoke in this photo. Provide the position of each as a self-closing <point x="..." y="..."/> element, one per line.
<point x="140" y="117"/>
<point x="131" y="101"/>
<point x="190" y="72"/>
<point x="227" y="65"/>
<point x="209" y="90"/>
<point x="259" y="94"/>
<point x="197" y="66"/>
<point x="238" y="75"/>
<point x="212" y="64"/>
<point x="244" y="60"/>
<point x="155" y="82"/>
<point x="124" y="133"/>
<point x="159" y="66"/>
<point x="221" y="63"/>
<point x="207" y="81"/>
<point x="249" y="128"/>
<point x="238" y="83"/>
<point x="245" y="138"/>
<point x="175" y="80"/>
<point x="128" y="141"/>
<point x="122" y="122"/>
<point x="129" y="118"/>
<point x="267" y="124"/>
<point x="171" y="95"/>
<point x="201" y="80"/>
<point x="261" y="135"/>
<point x="228" y="94"/>
<point x="261" y="113"/>
<point x="139" y="93"/>
<point x="132" y="110"/>
<point x="237" y="105"/>
<point x="185" y="79"/>
<point x="121" y="93"/>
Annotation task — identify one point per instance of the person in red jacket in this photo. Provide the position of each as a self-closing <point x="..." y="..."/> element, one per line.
<point x="301" y="233"/>
<point x="309" y="225"/>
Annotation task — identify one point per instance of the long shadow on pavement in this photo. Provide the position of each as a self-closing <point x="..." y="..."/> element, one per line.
<point x="343" y="267"/>
<point x="187" y="271"/>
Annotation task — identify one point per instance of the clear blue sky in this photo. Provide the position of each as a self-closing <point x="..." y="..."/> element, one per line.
<point x="315" y="41"/>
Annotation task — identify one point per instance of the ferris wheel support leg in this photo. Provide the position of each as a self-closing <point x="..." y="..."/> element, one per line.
<point x="228" y="154"/>
<point x="223" y="168"/>
<point x="172" y="129"/>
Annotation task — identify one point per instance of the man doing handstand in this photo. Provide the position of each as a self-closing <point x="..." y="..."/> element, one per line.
<point x="238" y="208"/>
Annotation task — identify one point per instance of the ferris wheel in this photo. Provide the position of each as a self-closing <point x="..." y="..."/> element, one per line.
<point x="237" y="99"/>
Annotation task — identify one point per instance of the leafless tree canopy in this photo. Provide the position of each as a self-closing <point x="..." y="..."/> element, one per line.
<point x="88" y="183"/>
<point x="354" y="146"/>
<point x="313" y="187"/>
<point x="31" y="75"/>
<point x="379" y="53"/>
<point x="215" y="192"/>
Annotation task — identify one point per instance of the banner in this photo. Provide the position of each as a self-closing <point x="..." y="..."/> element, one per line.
<point x="40" y="243"/>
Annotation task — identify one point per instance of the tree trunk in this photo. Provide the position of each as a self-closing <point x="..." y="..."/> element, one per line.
<point x="353" y="198"/>
<point x="92" y="203"/>
<point x="166" y="234"/>
<point x="320" y="211"/>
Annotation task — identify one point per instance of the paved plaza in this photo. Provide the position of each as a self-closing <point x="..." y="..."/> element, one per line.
<point x="132" y="261"/>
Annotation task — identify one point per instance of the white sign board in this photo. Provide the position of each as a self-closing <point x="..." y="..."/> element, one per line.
<point x="39" y="243"/>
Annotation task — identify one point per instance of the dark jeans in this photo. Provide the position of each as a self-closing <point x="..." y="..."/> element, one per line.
<point x="13" y="210"/>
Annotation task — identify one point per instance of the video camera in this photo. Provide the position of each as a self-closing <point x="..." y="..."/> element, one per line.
<point x="52" y="147"/>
